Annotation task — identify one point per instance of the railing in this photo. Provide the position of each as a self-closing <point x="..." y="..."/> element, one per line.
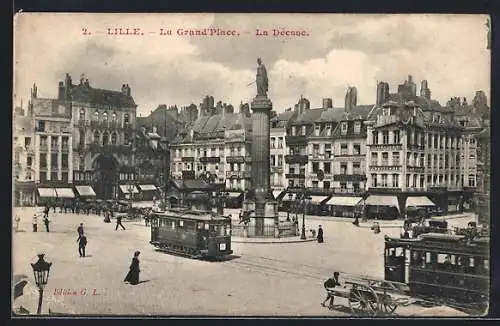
<point x="238" y="159"/>
<point x="388" y="147"/>
<point x="354" y="191"/>
<point x="187" y="159"/>
<point x="295" y="176"/>
<point x="292" y="159"/>
<point x="210" y="159"/>
<point x="296" y="140"/>
<point x="238" y="174"/>
<point x="349" y="177"/>
<point x="65" y="148"/>
<point x="385" y="167"/>
<point x="44" y="148"/>
<point x="276" y="169"/>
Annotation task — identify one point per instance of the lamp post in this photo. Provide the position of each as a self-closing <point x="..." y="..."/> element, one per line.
<point x="290" y="195"/>
<point x="41" y="271"/>
<point x="305" y="201"/>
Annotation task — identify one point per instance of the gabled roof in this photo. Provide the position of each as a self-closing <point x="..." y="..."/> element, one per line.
<point x="308" y="117"/>
<point x="87" y="94"/>
<point x="331" y="115"/>
<point x="360" y="112"/>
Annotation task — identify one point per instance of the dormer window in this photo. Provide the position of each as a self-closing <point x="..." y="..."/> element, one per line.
<point x="294" y="130"/>
<point x="96" y="115"/>
<point x="357" y="127"/>
<point x="386" y="112"/>
<point x="329" y="129"/>
<point x="113" y="116"/>
<point x="343" y="128"/>
<point x="317" y="129"/>
<point x="105" y="116"/>
<point x="303" y="130"/>
<point x="82" y="114"/>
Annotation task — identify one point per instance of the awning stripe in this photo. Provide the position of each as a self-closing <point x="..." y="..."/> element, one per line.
<point x="65" y="193"/>
<point x="376" y="200"/>
<point x="85" y="191"/>
<point x="148" y="187"/>
<point x="126" y="189"/>
<point x="317" y="199"/>
<point x="344" y="201"/>
<point x="419" y="201"/>
<point x="47" y="192"/>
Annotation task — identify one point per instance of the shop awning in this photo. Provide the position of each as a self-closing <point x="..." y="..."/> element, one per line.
<point x="142" y="204"/>
<point x="127" y="189"/>
<point x="376" y="200"/>
<point x="65" y="193"/>
<point x="277" y="193"/>
<point x="344" y="201"/>
<point x="148" y="187"/>
<point x="234" y="194"/>
<point x="317" y="199"/>
<point x="47" y="192"/>
<point x="85" y="191"/>
<point x="287" y="197"/>
<point x="419" y="201"/>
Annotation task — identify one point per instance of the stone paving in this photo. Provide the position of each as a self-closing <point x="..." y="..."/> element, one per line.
<point x="281" y="279"/>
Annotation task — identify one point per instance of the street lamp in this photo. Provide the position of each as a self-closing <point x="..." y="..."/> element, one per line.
<point x="41" y="271"/>
<point x="290" y="195"/>
<point x="305" y="201"/>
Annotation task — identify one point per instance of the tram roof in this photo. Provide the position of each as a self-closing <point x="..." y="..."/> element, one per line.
<point x="191" y="215"/>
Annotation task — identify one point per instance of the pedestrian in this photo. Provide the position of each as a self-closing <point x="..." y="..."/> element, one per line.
<point x="35" y="222"/>
<point x="329" y="285"/>
<point x="356" y="219"/>
<point x="46" y="221"/>
<point x="82" y="243"/>
<point x="17" y="220"/>
<point x="133" y="273"/>
<point x="46" y="211"/>
<point x="320" y="234"/>
<point x="119" y="222"/>
<point x="80" y="231"/>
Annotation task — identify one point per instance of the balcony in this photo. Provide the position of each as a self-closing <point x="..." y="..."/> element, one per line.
<point x="293" y="159"/>
<point x="349" y="177"/>
<point x="414" y="147"/>
<point x="276" y="169"/>
<point x="95" y="148"/>
<point x="417" y="169"/>
<point x="238" y="159"/>
<point x="296" y="140"/>
<point x="238" y="175"/>
<point x="391" y="168"/>
<point x="187" y="159"/>
<point x="388" y="190"/>
<point x="386" y="147"/>
<point x="354" y="191"/>
<point x="95" y="124"/>
<point x="295" y="176"/>
<point x="210" y="159"/>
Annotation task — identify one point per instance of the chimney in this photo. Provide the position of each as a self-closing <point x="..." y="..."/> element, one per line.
<point x="60" y="91"/>
<point x="86" y="83"/>
<point x="34" y="91"/>
<point x="327" y="103"/>
<point x="125" y="90"/>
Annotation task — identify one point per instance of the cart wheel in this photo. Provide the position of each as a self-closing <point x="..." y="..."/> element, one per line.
<point x="363" y="299"/>
<point x="389" y="308"/>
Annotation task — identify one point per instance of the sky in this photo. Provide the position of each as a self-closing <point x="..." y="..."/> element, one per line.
<point x="338" y="51"/>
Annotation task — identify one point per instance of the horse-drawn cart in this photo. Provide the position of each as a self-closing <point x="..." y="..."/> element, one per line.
<point x="370" y="297"/>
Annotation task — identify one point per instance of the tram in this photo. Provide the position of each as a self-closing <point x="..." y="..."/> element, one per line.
<point x="191" y="233"/>
<point x="448" y="268"/>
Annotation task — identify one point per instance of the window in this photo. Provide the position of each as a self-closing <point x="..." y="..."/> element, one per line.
<point x="273" y="160"/>
<point x="64" y="160"/>
<point x="374" y="159"/>
<point x="328" y="151"/>
<point x="43" y="176"/>
<point x="472" y="180"/>
<point x="355" y="186"/>
<point x="315" y="150"/>
<point x="395" y="180"/>
<point x="105" y="138"/>
<point x="415" y="159"/>
<point x="280" y="142"/>
<point x="343" y="149"/>
<point x="96" y="136"/>
<point x="96" y="116"/>
<point x="396" y="158"/>
<point x="291" y="170"/>
<point x="356" y="168"/>
<point x="54" y="144"/>
<point x="374" y="180"/>
<point x="396" y="137"/>
<point x="408" y="180"/>
<point x="435" y="141"/>
<point x="357" y="127"/>
<point x="375" y="137"/>
<point x="303" y="130"/>
<point x="27" y="141"/>
<point x="105" y="116"/>
<point x="273" y="142"/>
<point x="315" y="184"/>
<point x="326" y="184"/>
<point x="357" y="149"/>
<point x="317" y="130"/>
<point x="384" y="180"/>
<point x="126" y="119"/>
<point x="429" y="160"/>
<point x="40" y="125"/>
<point x="385" y="137"/>
<point x="113" y="116"/>
<point x="422" y="181"/>
<point x="29" y="161"/>
<point x="343" y="128"/>
<point x="280" y="160"/>
<point x="414" y="180"/>
<point x="385" y="159"/>
<point x="64" y="176"/>
<point x="53" y="161"/>
<point x="82" y="114"/>
<point x="53" y="176"/>
<point x="328" y="129"/>
<point x="294" y="130"/>
<point x="315" y="167"/>
<point x="113" y="138"/>
<point x="343" y="185"/>
<point x="421" y="141"/>
<point x="343" y="168"/>
<point x="328" y="168"/>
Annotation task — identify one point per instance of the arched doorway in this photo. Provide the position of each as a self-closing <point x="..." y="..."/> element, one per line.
<point x="106" y="175"/>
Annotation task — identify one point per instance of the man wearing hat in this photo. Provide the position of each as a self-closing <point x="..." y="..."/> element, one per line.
<point x="329" y="285"/>
<point x="35" y="222"/>
<point x="320" y="234"/>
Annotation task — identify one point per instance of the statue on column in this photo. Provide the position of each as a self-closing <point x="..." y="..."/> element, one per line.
<point x="261" y="79"/>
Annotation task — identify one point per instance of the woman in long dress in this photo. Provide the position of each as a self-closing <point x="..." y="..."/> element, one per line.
<point x="133" y="274"/>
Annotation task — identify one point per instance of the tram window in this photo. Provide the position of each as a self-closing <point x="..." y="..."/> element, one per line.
<point x="181" y="223"/>
<point x="207" y="226"/>
<point x="427" y="257"/>
<point x="471" y="262"/>
<point x="486" y="264"/>
<point x="200" y="225"/>
<point x="173" y="225"/>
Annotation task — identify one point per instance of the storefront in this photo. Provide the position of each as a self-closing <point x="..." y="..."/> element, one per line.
<point x="129" y="191"/>
<point x="234" y="199"/>
<point x="46" y="195"/>
<point x="148" y="192"/>
<point x="85" y="191"/>
<point x="344" y="206"/>
<point x="382" y="207"/>
<point x="317" y="205"/>
<point x="24" y="194"/>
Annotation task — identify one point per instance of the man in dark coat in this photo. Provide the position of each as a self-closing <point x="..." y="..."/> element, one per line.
<point x="80" y="231"/>
<point x="82" y="242"/>
<point x="320" y="235"/>
<point x="46" y="222"/>
<point x="133" y="273"/>
<point x="329" y="285"/>
<point x="119" y="222"/>
<point x="46" y="211"/>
